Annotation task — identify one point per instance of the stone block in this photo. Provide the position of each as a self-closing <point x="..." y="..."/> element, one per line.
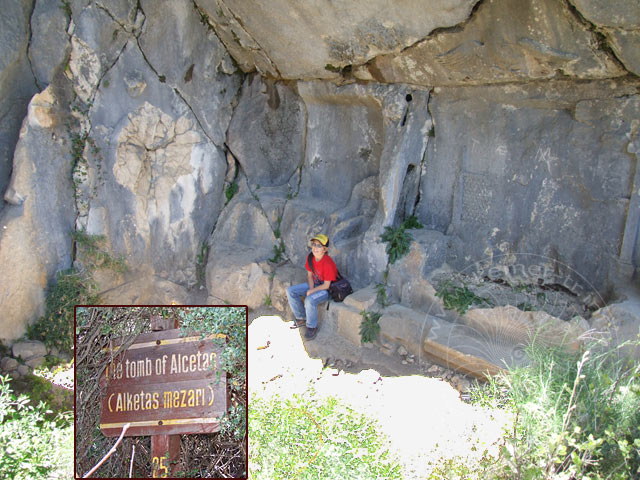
<point x="348" y="321"/>
<point x="233" y="277"/>
<point x="620" y="322"/>
<point x="462" y="350"/>
<point x="521" y="327"/>
<point x="28" y="349"/>
<point x="404" y="326"/>
<point x="35" y="362"/>
<point x="285" y="277"/>
<point x="8" y="364"/>
<point x="362" y="299"/>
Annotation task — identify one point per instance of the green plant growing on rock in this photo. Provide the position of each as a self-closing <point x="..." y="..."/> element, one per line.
<point x="230" y="191"/>
<point x="381" y="295"/>
<point x="201" y="260"/>
<point x="278" y="252"/>
<point x="369" y="327"/>
<point x="93" y="254"/>
<point x="459" y="298"/>
<point x="398" y="240"/>
<point x="412" y="223"/>
<point x="55" y="328"/>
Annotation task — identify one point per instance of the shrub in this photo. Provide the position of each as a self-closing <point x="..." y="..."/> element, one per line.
<point x="311" y="438"/>
<point x="576" y="415"/>
<point x="28" y="434"/>
<point x="55" y="329"/>
<point x="230" y="321"/>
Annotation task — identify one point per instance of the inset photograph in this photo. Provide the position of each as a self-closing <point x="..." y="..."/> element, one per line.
<point x="161" y="392"/>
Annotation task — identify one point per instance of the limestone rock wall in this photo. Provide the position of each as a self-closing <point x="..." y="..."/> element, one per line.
<point x="541" y="168"/>
<point x="208" y="139"/>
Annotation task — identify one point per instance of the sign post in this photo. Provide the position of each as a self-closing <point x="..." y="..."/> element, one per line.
<point x="164" y="385"/>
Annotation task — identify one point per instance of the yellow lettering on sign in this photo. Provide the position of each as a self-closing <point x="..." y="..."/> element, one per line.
<point x="167" y="399"/>
<point x="159" y="467"/>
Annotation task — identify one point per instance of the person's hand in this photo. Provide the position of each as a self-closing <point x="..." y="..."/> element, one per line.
<point x="309" y="292"/>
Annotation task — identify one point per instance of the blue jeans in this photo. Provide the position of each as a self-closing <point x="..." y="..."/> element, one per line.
<point x="309" y="309"/>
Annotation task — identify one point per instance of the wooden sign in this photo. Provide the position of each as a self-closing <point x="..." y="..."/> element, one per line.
<point x="164" y="384"/>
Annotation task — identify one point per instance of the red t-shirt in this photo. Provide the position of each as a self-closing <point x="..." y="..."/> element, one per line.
<point x="325" y="269"/>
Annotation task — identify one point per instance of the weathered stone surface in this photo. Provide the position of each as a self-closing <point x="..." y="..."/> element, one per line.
<point x="96" y="44"/>
<point x="35" y="229"/>
<point x="362" y="299"/>
<point x="231" y="278"/>
<point x="348" y="320"/>
<point x="267" y="131"/>
<point x="17" y="84"/>
<point x="620" y="23"/>
<point x="28" y="349"/>
<point x="49" y="40"/>
<point x="461" y="349"/>
<point x="504" y="41"/>
<point x="323" y="38"/>
<point x="401" y="325"/>
<point x="617" y="13"/>
<point x="191" y="59"/>
<point x="626" y="46"/>
<point x="428" y="251"/>
<point x="528" y="176"/>
<point x="242" y="241"/>
<point x="619" y="323"/>
<point x="524" y="327"/>
<point x="35" y="362"/>
<point x="146" y="290"/>
<point x="155" y="186"/>
<point x="7" y="364"/>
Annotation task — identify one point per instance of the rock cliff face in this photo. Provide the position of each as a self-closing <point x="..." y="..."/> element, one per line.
<point x="208" y="139"/>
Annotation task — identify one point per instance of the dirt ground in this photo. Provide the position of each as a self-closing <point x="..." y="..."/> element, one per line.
<point x="418" y="409"/>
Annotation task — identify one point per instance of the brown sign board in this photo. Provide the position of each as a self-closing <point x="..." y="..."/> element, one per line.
<point x="164" y="384"/>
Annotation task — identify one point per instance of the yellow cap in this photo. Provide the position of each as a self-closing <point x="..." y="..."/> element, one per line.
<point x="322" y="238"/>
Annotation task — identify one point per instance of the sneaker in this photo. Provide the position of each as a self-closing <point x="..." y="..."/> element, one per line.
<point x="311" y="333"/>
<point x="298" y="323"/>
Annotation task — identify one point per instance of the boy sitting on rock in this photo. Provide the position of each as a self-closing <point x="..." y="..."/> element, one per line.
<point x="315" y="291"/>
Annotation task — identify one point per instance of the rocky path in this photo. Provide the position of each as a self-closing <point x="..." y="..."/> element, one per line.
<point x="421" y="413"/>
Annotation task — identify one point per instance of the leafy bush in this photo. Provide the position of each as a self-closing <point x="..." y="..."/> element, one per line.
<point x="369" y="327"/>
<point x="576" y="415"/>
<point x="29" y="436"/>
<point x="311" y="438"/>
<point x="230" y="321"/>
<point x="55" y="329"/>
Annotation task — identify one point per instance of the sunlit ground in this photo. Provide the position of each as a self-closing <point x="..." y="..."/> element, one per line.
<point x="423" y="418"/>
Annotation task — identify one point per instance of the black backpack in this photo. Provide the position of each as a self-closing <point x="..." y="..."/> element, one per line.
<point x="339" y="289"/>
